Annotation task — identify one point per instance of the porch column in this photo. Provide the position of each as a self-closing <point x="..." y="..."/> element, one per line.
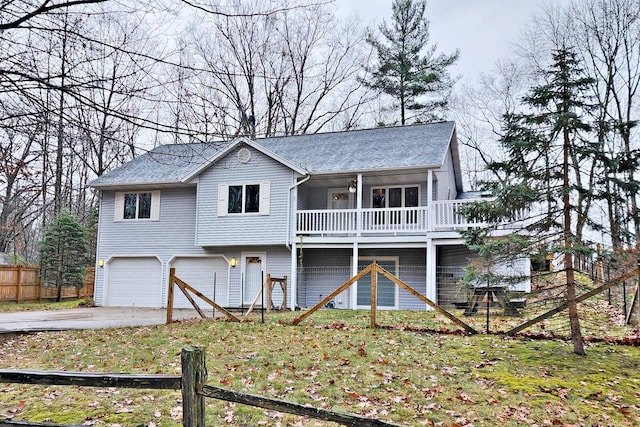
<point x="354" y="271"/>
<point x="359" y="206"/>
<point x="431" y="291"/>
<point x="293" y="282"/>
<point x="430" y="209"/>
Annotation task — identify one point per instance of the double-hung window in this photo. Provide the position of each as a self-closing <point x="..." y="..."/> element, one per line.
<point x="137" y="205"/>
<point x="245" y="198"/>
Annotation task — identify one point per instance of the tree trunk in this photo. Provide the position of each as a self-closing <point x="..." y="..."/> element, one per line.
<point x="574" y="320"/>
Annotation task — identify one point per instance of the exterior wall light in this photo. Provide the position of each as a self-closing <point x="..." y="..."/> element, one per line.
<point x="353" y="185"/>
<point x="233" y="262"/>
<point x="100" y="263"/>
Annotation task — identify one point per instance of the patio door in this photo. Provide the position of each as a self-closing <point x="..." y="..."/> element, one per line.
<point x="387" y="294"/>
<point x="253" y="276"/>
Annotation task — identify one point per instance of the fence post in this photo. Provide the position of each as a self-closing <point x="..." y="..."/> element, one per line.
<point x="194" y="375"/>
<point x="374" y="294"/>
<point x="172" y="272"/>
<point x="19" y="288"/>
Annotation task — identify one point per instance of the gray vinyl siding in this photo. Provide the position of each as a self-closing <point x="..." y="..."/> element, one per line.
<point x="451" y="260"/>
<point x="324" y="271"/>
<point x="243" y="229"/>
<point x="174" y="232"/>
<point x="455" y="255"/>
<point x="303" y="194"/>
<point x="446" y="184"/>
<point x="172" y="235"/>
<point x="316" y="198"/>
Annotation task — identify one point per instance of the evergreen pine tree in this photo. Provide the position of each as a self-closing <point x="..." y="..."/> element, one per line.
<point x="408" y="69"/>
<point x="64" y="253"/>
<point x="541" y="177"/>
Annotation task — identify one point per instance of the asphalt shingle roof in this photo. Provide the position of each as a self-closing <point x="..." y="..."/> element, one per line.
<point x="359" y="150"/>
<point x="164" y="164"/>
<point x="381" y="148"/>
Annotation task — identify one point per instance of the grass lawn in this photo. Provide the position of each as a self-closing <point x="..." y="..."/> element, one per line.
<point x="335" y="361"/>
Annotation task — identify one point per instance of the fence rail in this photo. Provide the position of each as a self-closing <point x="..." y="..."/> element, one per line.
<point x="192" y="383"/>
<point x="20" y="283"/>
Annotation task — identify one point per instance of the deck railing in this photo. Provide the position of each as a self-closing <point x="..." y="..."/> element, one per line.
<point x="447" y="214"/>
<point x="394" y="220"/>
<point x="420" y="219"/>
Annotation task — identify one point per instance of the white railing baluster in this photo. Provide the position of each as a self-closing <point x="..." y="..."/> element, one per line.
<point x="383" y="221"/>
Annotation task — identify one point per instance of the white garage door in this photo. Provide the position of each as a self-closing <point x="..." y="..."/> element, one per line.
<point x="134" y="282"/>
<point x="209" y="275"/>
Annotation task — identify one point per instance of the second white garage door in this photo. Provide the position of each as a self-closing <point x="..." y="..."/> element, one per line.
<point x="134" y="282"/>
<point x="209" y="275"/>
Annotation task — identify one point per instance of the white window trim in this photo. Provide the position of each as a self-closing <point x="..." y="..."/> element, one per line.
<point x="118" y="213"/>
<point x="386" y="197"/>
<point x="265" y="198"/>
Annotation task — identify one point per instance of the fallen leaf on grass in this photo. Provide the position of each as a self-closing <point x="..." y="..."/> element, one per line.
<point x="466" y="399"/>
<point x="176" y="412"/>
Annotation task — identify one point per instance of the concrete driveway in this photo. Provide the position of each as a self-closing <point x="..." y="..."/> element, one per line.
<point x="88" y="318"/>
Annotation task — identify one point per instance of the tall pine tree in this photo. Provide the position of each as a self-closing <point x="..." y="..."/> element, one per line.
<point x="64" y="253"/>
<point x="543" y="177"/>
<point x="408" y="69"/>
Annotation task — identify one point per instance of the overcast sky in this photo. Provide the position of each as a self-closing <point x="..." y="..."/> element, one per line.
<point x="481" y="29"/>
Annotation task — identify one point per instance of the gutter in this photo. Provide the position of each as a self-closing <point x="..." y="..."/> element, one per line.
<point x="287" y="240"/>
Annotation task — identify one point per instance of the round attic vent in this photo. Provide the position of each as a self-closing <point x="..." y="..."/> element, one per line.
<point x="244" y="155"/>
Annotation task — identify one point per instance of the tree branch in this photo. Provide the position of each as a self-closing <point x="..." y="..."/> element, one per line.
<point x="45" y="8"/>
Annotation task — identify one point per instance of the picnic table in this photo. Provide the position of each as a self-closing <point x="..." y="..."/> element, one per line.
<point x="493" y="296"/>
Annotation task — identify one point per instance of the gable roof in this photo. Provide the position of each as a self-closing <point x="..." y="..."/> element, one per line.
<point x="399" y="147"/>
<point x="238" y="142"/>
<point x="165" y="164"/>
<point x="402" y="147"/>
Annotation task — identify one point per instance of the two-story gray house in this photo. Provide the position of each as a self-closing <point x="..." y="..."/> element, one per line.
<point x="316" y="208"/>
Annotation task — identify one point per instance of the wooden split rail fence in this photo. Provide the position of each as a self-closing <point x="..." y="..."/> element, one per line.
<point x="192" y="384"/>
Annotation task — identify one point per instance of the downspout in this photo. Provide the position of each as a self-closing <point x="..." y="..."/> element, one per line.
<point x="430" y="208"/>
<point x="288" y="239"/>
<point x="293" y="250"/>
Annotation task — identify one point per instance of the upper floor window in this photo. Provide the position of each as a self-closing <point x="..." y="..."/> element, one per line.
<point x="244" y="199"/>
<point x="137" y="205"/>
<point x="395" y="197"/>
<point x="249" y="198"/>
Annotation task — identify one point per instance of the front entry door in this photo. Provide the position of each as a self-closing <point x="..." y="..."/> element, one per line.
<point x="340" y="199"/>
<point x="253" y="276"/>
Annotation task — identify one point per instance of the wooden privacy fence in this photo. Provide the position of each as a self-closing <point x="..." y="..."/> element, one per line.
<point x="192" y="384"/>
<point x="20" y="283"/>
